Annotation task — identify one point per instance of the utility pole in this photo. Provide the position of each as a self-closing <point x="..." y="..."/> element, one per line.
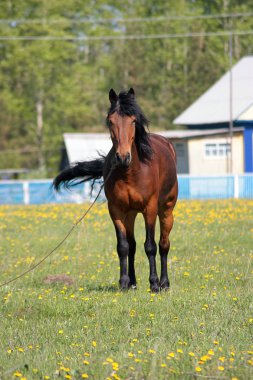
<point x="231" y="126"/>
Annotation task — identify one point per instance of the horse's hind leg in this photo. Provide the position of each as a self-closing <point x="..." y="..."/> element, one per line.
<point x="130" y="219"/>
<point x="166" y="223"/>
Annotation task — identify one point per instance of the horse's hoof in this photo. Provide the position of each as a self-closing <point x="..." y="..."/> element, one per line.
<point x="124" y="283"/>
<point x="154" y="289"/>
<point x="165" y="288"/>
<point x="164" y="284"/>
<point x="132" y="286"/>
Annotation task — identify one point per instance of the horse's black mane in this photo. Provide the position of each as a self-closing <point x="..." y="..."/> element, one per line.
<point x="125" y="104"/>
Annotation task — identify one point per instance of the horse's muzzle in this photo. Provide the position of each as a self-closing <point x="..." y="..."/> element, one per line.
<point x="123" y="161"/>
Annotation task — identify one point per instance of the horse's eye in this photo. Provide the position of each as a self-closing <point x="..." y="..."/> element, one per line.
<point x="134" y="122"/>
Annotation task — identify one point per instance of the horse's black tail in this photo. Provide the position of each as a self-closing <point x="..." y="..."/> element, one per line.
<point x="85" y="171"/>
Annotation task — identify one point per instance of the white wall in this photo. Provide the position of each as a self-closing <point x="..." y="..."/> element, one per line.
<point x="200" y="164"/>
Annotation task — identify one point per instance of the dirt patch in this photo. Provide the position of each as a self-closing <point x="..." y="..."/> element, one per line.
<point x="58" y="278"/>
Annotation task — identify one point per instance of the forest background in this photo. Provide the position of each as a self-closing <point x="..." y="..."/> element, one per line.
<point x="58" y="60"/>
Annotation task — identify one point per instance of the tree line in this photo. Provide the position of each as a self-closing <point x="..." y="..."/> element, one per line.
<point x="59" y="60"/>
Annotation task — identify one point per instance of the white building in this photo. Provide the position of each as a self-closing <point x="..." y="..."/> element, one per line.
<point x="231" y="97"/>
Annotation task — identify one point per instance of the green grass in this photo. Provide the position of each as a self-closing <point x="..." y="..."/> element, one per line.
<point x="202" y="327"/>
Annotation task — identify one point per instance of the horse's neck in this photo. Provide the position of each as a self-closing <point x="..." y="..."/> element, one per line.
<point x="135" y="164"/>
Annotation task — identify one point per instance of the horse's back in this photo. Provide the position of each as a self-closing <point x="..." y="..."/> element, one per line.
<point x="165" y="143"/>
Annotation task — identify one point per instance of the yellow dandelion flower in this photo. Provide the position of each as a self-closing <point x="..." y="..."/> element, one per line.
<point x="17" y="374"/>
<point x="151" y="351"/>
<point x="171" y="354"/>
<point x="65" y="369"/>
<point x="221" y="368"/>
<point x="191" y="353"/>
<point x="115" y="366"/>
<point x="204" y="358"/>
<point x="115" y="376"/>
<point x="86" y="362"/>
<point x="198" y="369"/>
<point x="85" y="376"/>
<point x="180" y="351"/>
<point x="94" y="343"/>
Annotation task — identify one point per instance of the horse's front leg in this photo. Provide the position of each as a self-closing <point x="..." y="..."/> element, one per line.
<point x="150" y="246"/>
<point x="130" y="219"/>
<point x="118" y="219"/>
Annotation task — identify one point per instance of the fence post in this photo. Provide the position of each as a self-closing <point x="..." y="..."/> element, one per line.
<point x="236" y="186"/>
<point x="26" y="192"/>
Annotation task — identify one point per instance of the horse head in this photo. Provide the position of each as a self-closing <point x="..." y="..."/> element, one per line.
<point x="121" y="121"/>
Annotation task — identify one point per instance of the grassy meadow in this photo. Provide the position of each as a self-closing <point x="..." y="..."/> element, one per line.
<point x="68" y="320"/>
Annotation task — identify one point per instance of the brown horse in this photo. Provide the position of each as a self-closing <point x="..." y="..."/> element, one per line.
<point x="139" y="177"/>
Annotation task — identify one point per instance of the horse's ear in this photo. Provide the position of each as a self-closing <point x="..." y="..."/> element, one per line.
<point x="113" y="96"/>
<point x="131" y="92"/>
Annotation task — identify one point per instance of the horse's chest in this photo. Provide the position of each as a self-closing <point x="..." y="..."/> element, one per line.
<point x="127" y="197"/>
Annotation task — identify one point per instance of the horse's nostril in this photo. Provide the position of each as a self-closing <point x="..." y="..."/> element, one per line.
<point x="118" y="158"/>
<point x="127" y="159"/>
<point x="123" y="160"/>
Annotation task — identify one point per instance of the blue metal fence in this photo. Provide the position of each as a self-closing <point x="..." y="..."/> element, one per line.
<point x="190" y="187"/>
<point x="219" y="187"/>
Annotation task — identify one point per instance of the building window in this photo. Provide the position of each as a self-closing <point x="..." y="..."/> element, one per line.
<point x="180" y="149"/>
<point x="217" y="149"/>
